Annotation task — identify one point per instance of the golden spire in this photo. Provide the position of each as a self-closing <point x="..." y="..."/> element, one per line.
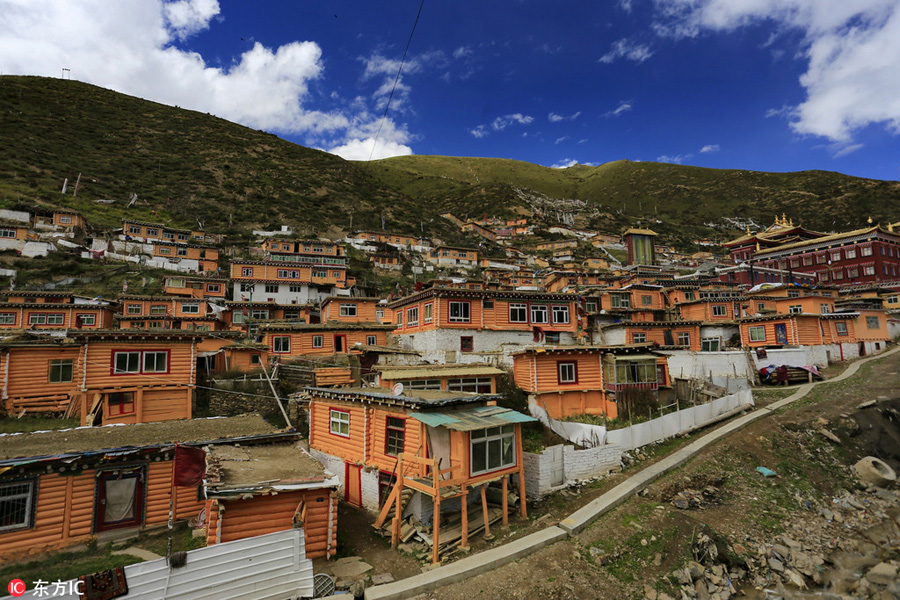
<point x="869" y="220"/>
<point x="783" y="219"/>
<point x="748" y="230"/>
<point x="791" y="222"/>
<point x="757" y="246"/>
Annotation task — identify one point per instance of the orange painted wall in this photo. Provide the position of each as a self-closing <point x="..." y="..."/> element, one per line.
<point x="365" y="311"/>
<point x="564" y="404"/>
<point x="658" y="334"/>
<point x="496" y="318"/>
<point x="269" y="272"/>
<point x="864" y="333"/>
<point x="27" y="373"/>
<point x="64" y="511"/>
<point x="302" y="341"/>
<point x="350" y="448"/>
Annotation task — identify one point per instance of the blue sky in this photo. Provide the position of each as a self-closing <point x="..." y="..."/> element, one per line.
<point x="770" y="85"/>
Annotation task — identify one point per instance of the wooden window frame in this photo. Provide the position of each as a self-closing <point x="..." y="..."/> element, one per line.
<point x="753" y="330"/>
<point x="30" y="497"/>
<point x="397" y="431"/>
<point x="565" y="364"/>
<point x="57" y="364"/>
<point x="466" y="343"/>
<point x="278" y="344"/>
<point x="336" y="412"/>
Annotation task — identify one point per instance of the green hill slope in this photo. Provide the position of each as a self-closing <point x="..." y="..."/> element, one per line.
<point x="187" y="166"/>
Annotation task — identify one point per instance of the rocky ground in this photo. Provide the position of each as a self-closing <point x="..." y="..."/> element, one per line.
<point x="719" y="528"/>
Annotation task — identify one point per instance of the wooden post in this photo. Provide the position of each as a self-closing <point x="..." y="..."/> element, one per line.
<point x="436" y="535"/>
<point x="484" y="511"/>
<point x="520" y="460"/>
<point x="395" y="524"/>
<point x="464" y="542"/>
<point x="505" y="501"/>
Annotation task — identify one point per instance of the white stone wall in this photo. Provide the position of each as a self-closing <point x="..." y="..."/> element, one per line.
<point x="800" y="356"/>
<point x="577" y="465"/>
<point x="32" y="249"/>
<point x="441" y="346"/>
<point x="284" y="295"/>
<point x="10" y="244"/>
<point x="15" y="215"/>
<point x="699" y="365"/>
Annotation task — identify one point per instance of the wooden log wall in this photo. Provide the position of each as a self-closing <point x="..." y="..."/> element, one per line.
<point x="270" y="513"/>
<point x="378" y="436"/>
<point x="320" y="437"/>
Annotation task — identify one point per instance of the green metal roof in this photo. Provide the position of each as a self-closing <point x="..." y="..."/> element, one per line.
<point x="472" y="419"/>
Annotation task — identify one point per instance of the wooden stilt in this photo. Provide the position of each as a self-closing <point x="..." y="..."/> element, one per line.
<point x="435" y="550"/>
<point x="464" y="541"/>
<point x="484" y="509"/>
<point x="520" y="460"/>
<point x="505" y="501"/>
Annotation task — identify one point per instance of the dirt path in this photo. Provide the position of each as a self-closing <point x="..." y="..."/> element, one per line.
<point x="643" y="542"/>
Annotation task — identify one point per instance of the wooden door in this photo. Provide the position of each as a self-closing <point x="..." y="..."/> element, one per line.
<point x="340" y="343"/>
<point x="353" y="485"/>
<point x="120" y="499"/>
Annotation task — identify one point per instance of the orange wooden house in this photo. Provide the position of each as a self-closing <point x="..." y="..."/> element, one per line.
<point x="440" y="445"/>
<point x="168" y="312"/>
<point x="110" y="376"/>
<point x="195" y="287"/>
<point x="260" y="487"/>
<point x="59" y="488"/>
<point x="48" y="310"/>
<point x="477" y="378"/>
<point x="572" y="380"/>
<point x="286" y="339"/>
<point x="351" y="309"/>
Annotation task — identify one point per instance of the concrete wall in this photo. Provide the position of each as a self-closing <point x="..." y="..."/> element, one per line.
<point x="800" y="356"/>
<point x="15" y="215"/>
<point x="699" y="365"/>
<point x="441" y="346"/>
<point x="284" y="295"/>
<point x="32" y="249"/>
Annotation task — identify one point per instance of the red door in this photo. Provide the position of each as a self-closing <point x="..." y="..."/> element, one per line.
<point x="120" y="499"/>
<point x="353" y="485"/>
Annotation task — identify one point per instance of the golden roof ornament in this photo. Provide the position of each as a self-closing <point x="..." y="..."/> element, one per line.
<point x="869" y="220"/>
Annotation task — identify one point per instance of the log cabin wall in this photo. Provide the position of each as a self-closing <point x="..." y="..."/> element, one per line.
<point x="39" y="379"/>
<point x="352" y="447"/>
<point x="231" y="520"/>
<point x="64" y="506"/>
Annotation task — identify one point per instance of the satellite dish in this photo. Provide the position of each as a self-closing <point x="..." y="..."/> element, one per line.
<point x="397" y="389"/>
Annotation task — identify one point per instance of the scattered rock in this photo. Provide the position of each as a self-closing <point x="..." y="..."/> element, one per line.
<point x="882" y="574"/>
<point x="830" y="436"/>
<point x="776" y="565"/>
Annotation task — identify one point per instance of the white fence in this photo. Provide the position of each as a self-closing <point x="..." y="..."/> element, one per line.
<point x="646" y="433"/>
<point x="272" y="566"/>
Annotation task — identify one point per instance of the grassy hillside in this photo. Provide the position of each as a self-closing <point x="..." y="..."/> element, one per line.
<point x="187" y="166"/>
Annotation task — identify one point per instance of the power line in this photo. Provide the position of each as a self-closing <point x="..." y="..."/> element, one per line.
<point x="396" y="79"/>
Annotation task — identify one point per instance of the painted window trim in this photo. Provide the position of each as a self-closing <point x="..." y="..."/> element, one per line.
<point x="46" y="320"/>
<point x="31" y="503"/>
<point x="278" y="340"/>
<point x="559" y="371"/>
<point x="122" y="405"/>
<point x="459" y="319"/>
<point x="756" y="328"/>
<point x="320" y="339"/>
<point x="141" y="362"/>
<point x="563" y="309"/>
<point x="332" y="412"/>
<point x="5" y="315"/>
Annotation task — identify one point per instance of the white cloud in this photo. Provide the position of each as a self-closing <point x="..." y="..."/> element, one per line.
<point x="627" y="49"/>
<point x="132" y="46"/>
<point x="571" y="162"/>
<point x="709" y="148"/>
<point x="479" y="132"/>
<point x="625" y="5"/>
<point x="624" y="107"/>
<point x="840" y="150"/>
<point x="852" y="50"/>
<point x="556" y="118"/>
<point x="562" y="139"/>
<point x="362" y="150"/>
<point x="501" y="123"/>
<point x="676" y="159"/>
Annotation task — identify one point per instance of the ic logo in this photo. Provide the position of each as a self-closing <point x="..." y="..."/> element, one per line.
<point x="16" y="588"/>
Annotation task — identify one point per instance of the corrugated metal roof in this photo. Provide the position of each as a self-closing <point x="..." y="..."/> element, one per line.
<point x="471" y="419"/>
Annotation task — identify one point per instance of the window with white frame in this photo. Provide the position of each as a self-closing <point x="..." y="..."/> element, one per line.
<point x="840" y="327"/>
<point x="460" y="312"/>
<point x="156" y="362"/>
<point x="288" y="274"/>
<point x="134" y="229"/>
<point x="480" y="385"/>
<point x="181" y="252"/>
<point x="683" y="338"/>
<point x="281" y="344"/>
<point x="567" y="372"/>
<point x="56" y="319"/>
<point x="157" y="309"/>
<point x="379" y="313"/>
<point x="132" y="309"/>
<point x="824" y="308"/>
<point x="518" y="313"/>
<point x="259" y="314"/>
<point x="795" y="309"/>
<point x="870" y="270"/>
<point x="190" y="308"/>
<point x="347" y="310"/>
<point x="492" y="449"/>
<point x="340" y="423"/>
<point x="873" y="322"/>
<point x="710" y="344"/>
<point x="757" y="333"/>
<point x="7" y="318"/>
<point x="86" y="320"/>
<point x="620" y="300"/>
<point x="247" y="272"/>
<point x="427" y="312"/>
<point x="16" y="504"/>
<point x="866" y="251"/>
<point x="7" y="233"/>
<point x="317" y="341"/>
<point x="126" y="362"/>
<point x="561" y="314"/>
<point x="719" y="310"/>
<point x="412" y="316"/>
<point x="639" y="337"/>
<point x="539" y="313"/>
<point x="371" y="340"/>
<point x="60" y="370"/>
<point x="850" y="253"/>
